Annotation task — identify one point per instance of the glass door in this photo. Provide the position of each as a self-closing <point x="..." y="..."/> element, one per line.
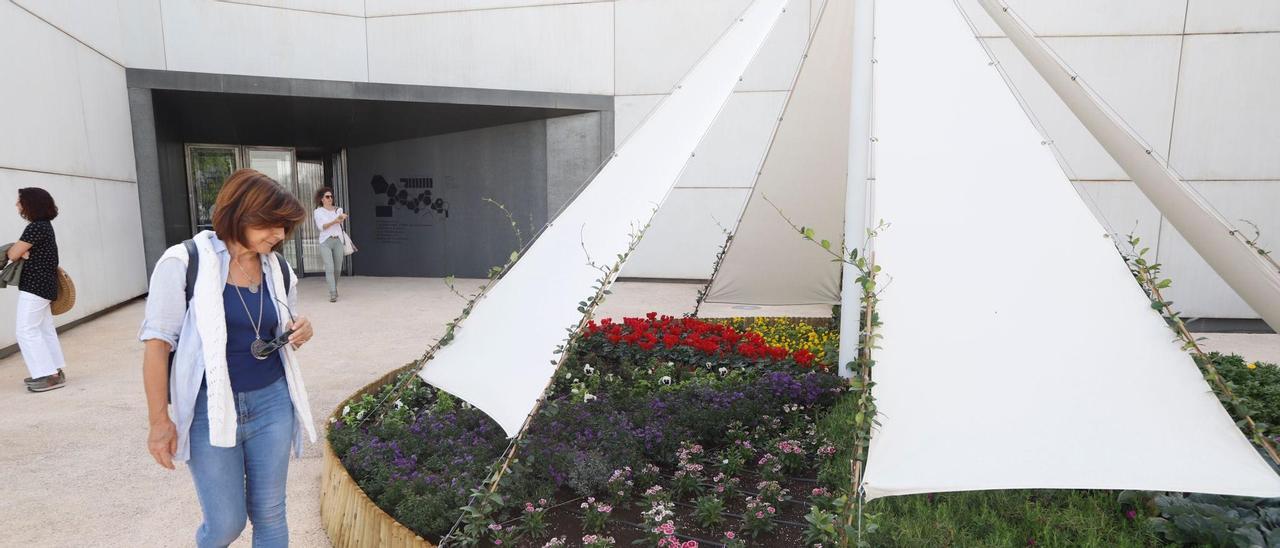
<point x="280" y="163"/>
<point x="310" y="180"/>
<point x="208" y="166"/>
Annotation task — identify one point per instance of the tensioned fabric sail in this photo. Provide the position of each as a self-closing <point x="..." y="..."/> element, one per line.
<point x="803" y="174"/>
<point x="1018" y="352"/>
<point x="503" y="354"/>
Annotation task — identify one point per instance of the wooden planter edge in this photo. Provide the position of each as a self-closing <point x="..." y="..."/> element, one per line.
<point x="349" y="516"/>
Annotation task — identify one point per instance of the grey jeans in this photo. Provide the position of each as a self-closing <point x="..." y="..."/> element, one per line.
<point x="331" y="254"/>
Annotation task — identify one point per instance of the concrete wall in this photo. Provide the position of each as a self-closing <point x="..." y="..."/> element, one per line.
<point x="66" y="128"/>
<point x="467" y="236"/>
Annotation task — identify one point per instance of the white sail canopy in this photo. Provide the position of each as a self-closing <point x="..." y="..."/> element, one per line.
<point x="503" y="354"/>
<point x="803" y="175"/>
<point x="1018" y="352"/>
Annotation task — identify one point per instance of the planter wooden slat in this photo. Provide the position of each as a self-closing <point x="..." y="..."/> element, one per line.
<point x="350" y="517"/>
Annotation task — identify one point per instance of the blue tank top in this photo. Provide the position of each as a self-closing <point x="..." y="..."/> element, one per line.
<point x="247" y="372"/>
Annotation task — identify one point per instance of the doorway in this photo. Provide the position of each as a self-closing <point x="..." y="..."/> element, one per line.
<point x="209" y="165"/>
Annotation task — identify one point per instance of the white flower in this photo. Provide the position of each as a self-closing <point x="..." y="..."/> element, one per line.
<point x="346" y="410"/>
<point x="399" y="404"/>
<point x="574" y="391"/>
<point x="588" y="369"/>
<point x="665" y="379"/>
<point x="568" y="375"/>
<point x="671" y="364"/>
<point x="724" y="371"/>
<point x="588" y="397"/>
<point x="360" y="415"/>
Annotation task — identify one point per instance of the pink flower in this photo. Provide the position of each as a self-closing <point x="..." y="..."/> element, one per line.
<point x="605" y="508"/>
<point x="542" y="502"/>
<point x="690" y="544"/>
<point x="1131" y="514"/>
<point x="667" y="528"/>
<point x="497" y="541"/>
<point x="495" y="527"/>
<point x="729" y="535"/>
<point x="760" y="515"/>
<point x="772" y="510"/>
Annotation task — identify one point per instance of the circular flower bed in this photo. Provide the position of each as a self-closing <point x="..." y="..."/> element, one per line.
<point x="660" y="431"/>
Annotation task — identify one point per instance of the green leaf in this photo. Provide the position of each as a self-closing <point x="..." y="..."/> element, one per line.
<point x="826" y="244"/>
<point x="514" y="255"/>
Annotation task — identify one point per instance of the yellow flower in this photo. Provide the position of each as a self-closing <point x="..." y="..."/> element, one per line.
<point x="1253" y="365"/>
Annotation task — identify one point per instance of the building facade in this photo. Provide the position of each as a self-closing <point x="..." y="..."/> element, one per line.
<point x="130" y="111"/>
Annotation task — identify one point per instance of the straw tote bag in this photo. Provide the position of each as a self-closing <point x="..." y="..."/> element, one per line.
<point x="66" y="293"/>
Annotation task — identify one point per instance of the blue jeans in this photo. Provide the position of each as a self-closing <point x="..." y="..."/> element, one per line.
<point x="247" y="480"/>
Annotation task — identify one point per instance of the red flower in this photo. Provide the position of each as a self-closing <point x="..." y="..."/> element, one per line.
<point x="803" y="357"/>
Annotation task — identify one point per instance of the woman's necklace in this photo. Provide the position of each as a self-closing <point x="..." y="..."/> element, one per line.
<point x="257" y="326"/>
<point x="253" y="287"/>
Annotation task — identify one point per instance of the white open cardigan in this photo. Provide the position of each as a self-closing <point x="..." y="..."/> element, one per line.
<point x="205" y="328"/>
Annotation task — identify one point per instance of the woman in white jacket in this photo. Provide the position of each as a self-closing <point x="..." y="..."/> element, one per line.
<point x="237" y="401"/>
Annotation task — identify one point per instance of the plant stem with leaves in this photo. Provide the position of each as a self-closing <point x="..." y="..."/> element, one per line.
<point x="1147" y="274"/>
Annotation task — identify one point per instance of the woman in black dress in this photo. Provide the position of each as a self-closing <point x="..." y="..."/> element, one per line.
<point x="37" y="338"/>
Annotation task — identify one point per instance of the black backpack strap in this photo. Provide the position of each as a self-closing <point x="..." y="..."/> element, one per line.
<point x="193" y="267"/>
<point x="286" y="271"/>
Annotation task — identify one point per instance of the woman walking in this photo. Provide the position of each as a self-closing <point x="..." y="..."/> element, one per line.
<point x="237" y="403"/>
<point x="329" y="220"/>
<point x="38" y="287"/>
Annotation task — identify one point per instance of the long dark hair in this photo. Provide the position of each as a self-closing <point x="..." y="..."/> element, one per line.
<point x="37" y="204"/>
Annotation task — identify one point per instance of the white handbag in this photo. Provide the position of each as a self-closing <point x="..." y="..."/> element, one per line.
<point x="348" y="247"/>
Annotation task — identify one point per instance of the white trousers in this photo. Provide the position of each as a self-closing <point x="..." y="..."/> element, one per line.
<point x="37" y="339"/>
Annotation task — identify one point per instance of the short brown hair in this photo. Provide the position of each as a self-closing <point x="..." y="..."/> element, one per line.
<point x="37" y="204"/>
<point x="320" y="195"/>
<point x="249" y="199"/>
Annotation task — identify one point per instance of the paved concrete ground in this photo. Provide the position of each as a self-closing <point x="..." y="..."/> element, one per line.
<point x="76" y="470"/>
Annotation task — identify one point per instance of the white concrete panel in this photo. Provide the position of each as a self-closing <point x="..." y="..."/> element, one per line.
<point x="1206" y="16"/>
<point x="41" y="101"/>
<point x="123" y="264"/>
<point x="629" y="111"/>
<point x="775" y="66"/>
<point x="1228" y="121"/>
<point x="686" y="234"/>
<point x="94" y="23"/>
<point x="1086" y="17"/>
<point x="658" y="41"/>
<point x="732" y="150"/>
<point x="554" y="48"/>
<point x="256" y="41"/>
<point x="1197" y="291"/>
<point x="1136" y="75"/>
<point x="142" y="33"/>
<point x="380" y="8"/>
<point x="354" y="8"/>
<point x="105" y="100"/>
<point x="1122" y="209"/>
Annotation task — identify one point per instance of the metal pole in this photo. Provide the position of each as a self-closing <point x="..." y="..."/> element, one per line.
<point x="857" y="196"/>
